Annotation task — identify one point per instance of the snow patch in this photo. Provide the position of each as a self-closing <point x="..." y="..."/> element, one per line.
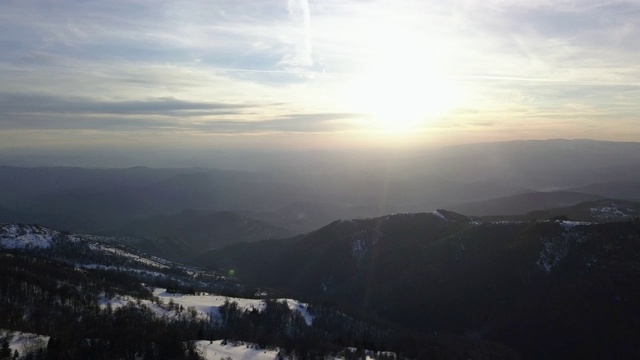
<point x="439" y="215"/>
<point x="363" y="241"/>
<point x="506" y="222"/>
<point x="555" y="249"/>
<point x="26" y="236"/>
<point x="569" y="225"/>
<point x="236" y="350"/>
<point x="24" y="343"/>
<point x="208" y="304"/>
<point x="612" y="212"/>
<point x="359" y="249"/>
<point x="240" y="350"/>
<point x="121" y="269"/>
<point x="125" y="254"/>
<point x="18" y="236"/>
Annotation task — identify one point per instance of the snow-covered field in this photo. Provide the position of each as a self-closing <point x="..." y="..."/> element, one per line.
<point x="209" y="303"/>
<point x="211" y="350"/>
<point x="205" y="305"/>
<point x="214" y="350"/>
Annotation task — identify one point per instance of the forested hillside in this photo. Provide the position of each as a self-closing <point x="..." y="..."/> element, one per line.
<point x="89" y="301"/>
<point x="532" y="285"/>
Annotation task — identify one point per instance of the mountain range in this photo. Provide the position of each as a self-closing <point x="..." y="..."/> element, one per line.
<point x="540" y="288"/>
<point x="193" y="231"/>
<point x="303" y="195"/>
<point x="79" y="296"/>
<point x="549" y="289"/>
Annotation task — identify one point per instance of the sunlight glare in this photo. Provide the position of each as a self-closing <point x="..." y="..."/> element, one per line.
<point x="404" y="86"/>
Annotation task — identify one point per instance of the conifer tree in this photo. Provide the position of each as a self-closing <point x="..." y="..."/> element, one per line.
<point x="5" y="351"/>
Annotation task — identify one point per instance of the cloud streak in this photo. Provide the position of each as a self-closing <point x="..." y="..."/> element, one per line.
<point x="31" y="103"/>
<point x="301" y="14"/>
<point x="29" y="111"/>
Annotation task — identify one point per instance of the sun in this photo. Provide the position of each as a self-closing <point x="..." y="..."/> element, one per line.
<point x="403" y="88"/>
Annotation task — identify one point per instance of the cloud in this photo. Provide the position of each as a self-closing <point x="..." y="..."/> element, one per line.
<point x="32" y="103"/>
<point x="37" y="111"/>
<point x="294" y="123"/>
<point x="301" y="16"/>
<point x="30" y="111"/>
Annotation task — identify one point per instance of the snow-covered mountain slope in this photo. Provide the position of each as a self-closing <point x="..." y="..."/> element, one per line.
<point x="33" y="237"/>
<point x="26" y="236"/>
<point x="104" y="253"/>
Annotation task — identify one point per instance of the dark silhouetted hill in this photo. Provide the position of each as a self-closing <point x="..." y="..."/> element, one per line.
<point x="549" y="289"/>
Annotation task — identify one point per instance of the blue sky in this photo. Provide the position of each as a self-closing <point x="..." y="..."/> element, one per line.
<point x="316" y="74"/>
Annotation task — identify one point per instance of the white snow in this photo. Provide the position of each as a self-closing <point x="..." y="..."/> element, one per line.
<point x="359" y="249"/>
<point x="506" y="222"/>
<point x="13" y="236"/>
<point x="205" y="305"/>
<point x="118" y="301"/>
<point x="362" y="241"/>
<point x="25" y="236"/>
<point x="569" y="225"/>
<point x="439" y="215"/>
<point x="607" y="209"/>
<point x="120" y="268"/>
<point x="24" y="342"/>
<point x="612" y="212"/>
<point x="125" y="254"/>
<point x="239" y="350"/>
<point x="214" y="350"/>
<point x="555" y="249"/>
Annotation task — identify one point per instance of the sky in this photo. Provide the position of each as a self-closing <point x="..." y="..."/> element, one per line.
<point x="326" y="74"/>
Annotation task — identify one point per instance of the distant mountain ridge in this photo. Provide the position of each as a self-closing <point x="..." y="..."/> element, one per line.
<point x="310" y="192"/>
<point x="523" y="203"/>
<point x="197" y="231"/>
<point x="93" y="200"/>
<point x="599" y="211"/>
<point x="629" y="190"/>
